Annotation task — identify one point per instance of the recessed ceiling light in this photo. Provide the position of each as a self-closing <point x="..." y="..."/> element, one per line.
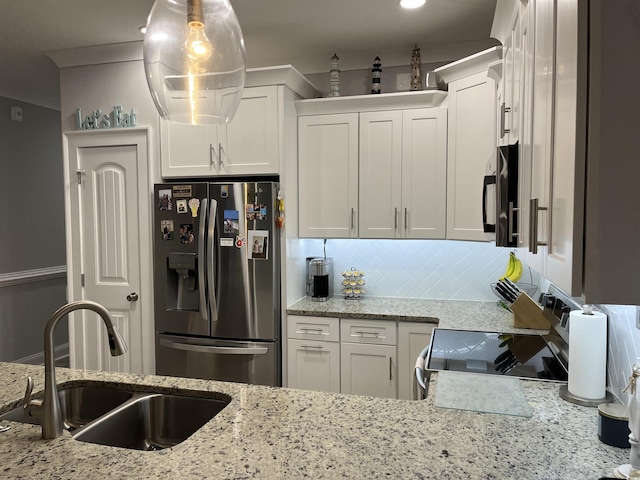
<point x="412" y="3"/>
<point x="143" y="29"/>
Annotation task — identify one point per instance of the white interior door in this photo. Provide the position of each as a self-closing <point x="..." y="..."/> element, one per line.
<point x="109" y="206"/>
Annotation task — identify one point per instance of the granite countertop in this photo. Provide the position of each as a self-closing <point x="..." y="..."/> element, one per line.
<point x="453" y="314"/>
<point x="274" y="433"/>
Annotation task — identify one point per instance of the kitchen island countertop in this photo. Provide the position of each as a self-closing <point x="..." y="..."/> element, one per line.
<point x="454" y="314"/>
<point x="275" y="433"/>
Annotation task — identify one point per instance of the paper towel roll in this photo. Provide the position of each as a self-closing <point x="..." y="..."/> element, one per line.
<point x="587" y="354"/>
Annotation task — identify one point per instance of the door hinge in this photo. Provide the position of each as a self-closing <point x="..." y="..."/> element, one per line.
<point x="82" y="279"/>
<point x="79" y="174"/>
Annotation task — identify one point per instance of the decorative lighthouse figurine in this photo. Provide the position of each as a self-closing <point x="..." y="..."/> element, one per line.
<point x="334" y="77"/>
<point x="416" y="77"/>
<point x="375" y="81"/>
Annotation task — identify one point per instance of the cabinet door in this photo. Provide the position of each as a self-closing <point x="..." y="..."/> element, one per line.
<point x="471" y="145"/>
<point x="188" y="150"/>
<point x="328" y="175"/>
<point x="412" y="338"/>
<point x="251" y="144"/>
<point x="380" y="174"/>
<point x="424" y="173"/>
<point x="314" y="365"/>
<point x="368" y="369"/>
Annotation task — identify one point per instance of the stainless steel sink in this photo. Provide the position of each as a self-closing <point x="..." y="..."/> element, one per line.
<point x="152" y="422"/>
<point x="130" y="419"/>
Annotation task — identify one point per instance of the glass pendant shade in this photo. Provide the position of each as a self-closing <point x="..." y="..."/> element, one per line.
<point x="194" y="60"/>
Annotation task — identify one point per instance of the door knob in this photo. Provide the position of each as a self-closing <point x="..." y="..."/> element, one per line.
<point x="132" y="297"/>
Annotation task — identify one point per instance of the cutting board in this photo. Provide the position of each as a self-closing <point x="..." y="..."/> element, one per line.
<point x="481" y="393"/>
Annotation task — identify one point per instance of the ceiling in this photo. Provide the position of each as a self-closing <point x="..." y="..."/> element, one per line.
<point x="304" y="33"/>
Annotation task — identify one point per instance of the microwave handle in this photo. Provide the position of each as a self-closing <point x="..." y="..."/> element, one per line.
<point x="487" y="227"/>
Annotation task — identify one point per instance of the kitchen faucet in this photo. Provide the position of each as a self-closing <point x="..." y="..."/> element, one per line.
<point x="49" y="410"/>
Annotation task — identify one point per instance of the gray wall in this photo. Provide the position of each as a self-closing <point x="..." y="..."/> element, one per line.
<point x="32" y="235"/>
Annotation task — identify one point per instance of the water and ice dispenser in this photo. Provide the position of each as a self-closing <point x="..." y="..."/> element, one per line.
<point x="182" y="283"/>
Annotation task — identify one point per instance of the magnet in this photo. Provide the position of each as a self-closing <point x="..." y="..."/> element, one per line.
<point x="259" y="244"/>
<point x="239" y="241"/>
<point x="165" y="201"/>
<point x="262" y="212"/>
<point x="181" y="206"/>
<point x="186" y="233"/>
<point x="194" y="204"/>
<point x="166" y="228"/>
<point x="250" y="211"/>
<point x="183" y="191"/>
<point x="231" y="221"/>
<point x="224" y="191"/>
<point x="226" y="242"/>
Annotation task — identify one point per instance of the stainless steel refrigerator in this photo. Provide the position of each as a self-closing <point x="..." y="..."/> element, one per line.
<point x="217" y="281"/>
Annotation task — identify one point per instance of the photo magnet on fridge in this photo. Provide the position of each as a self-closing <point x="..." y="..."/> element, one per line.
<point x="258" y="244"/>
<point x="166" y="228"/>
<point x="165" y="199"/>
<point x="231" y="222"/>
<point x="181" y="206"/>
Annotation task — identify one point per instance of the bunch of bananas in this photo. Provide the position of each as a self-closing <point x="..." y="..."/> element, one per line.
<point x="514" y="268"/>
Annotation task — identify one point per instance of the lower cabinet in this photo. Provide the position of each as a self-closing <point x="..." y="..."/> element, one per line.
<point x="360" y="357"/>
<point x="314" y="365"/>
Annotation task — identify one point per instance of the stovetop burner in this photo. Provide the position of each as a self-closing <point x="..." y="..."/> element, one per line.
<point x="516" y="355"/>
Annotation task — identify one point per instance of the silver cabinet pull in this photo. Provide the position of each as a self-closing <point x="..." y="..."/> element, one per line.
<point x="311" y="331"/>
<point x="390" y="368"/>
<point x="395" y="219"/>
<point x="313" y="346"/>
<point x="533" y="226"/>
<point x="362" y="333"/>
<point x="220" y="152"/>
<point x="406" y="218"/>
<point x="213" y="156"/>
<point x="132" y="297"/>
<point x="353" y="219"/>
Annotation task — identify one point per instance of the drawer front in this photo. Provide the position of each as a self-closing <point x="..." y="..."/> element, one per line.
<point x="326" y="329"/>
<point x="377" y="332"/>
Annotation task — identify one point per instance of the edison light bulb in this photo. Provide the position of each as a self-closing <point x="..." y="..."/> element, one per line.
<point x="197" y="44"/>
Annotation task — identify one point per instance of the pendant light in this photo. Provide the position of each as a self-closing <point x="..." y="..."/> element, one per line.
<point x="194" y="60"/>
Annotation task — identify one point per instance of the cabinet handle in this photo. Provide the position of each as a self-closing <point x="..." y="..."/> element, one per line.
<point x="533" y="226"/>
<point x="312" y="331"/>
<point x="220" y="152"/>
<point x="503" y="113"/>
<point x="511" y="233"/>
<point x="406" y="218"/>
<point x="213" y="156"/>
<point x="390" y="369"/>
<point x="362" y="333"/>
<point x="353" y="221"/>
<point x="313" y="346"/>
<point x="395" y="219"/>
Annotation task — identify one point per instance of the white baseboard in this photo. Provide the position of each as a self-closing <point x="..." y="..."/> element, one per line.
<point x="60" y="353"/>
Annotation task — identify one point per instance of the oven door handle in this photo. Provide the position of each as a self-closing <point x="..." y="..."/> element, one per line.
<point x="421" y="377"/>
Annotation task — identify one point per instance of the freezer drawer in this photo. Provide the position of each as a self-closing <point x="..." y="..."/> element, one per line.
<point x="256" y="363"/>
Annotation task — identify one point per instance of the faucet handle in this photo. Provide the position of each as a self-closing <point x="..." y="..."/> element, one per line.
<point x="27" y="402"/>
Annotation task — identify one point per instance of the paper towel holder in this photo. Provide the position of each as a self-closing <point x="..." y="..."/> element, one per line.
<point x="565" y="394"/>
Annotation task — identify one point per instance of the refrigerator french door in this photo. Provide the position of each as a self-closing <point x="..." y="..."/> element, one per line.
<point x="217" y="281"/>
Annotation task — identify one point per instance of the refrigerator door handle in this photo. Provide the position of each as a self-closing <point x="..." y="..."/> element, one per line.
<point x="202" y="267"/>
<point x="189" y="347"/>
<point x="211" y="260"/>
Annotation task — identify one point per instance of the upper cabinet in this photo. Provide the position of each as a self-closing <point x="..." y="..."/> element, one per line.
<point x="471" y="142"/>
<point x="373" y="166"/>
<point x="250" y="145"/>
<point x="577" y="143"/>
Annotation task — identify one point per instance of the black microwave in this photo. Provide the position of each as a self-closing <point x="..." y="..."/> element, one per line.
<point x="505" y="179"/>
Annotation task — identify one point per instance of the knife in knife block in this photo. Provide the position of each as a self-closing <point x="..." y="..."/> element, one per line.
<point x="528" y="314"/>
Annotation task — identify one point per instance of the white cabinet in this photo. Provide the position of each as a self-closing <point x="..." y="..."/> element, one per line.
<point x="368" y="357"/>
<point x="471" y="146"/>
<point x="372" y="167"/>
<point x="402" y="181"/>
<point x="313" y="353"/>
<point x="328" y="175"/>
<point x="248" y="145"/>
<point x="412" y="338"/>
